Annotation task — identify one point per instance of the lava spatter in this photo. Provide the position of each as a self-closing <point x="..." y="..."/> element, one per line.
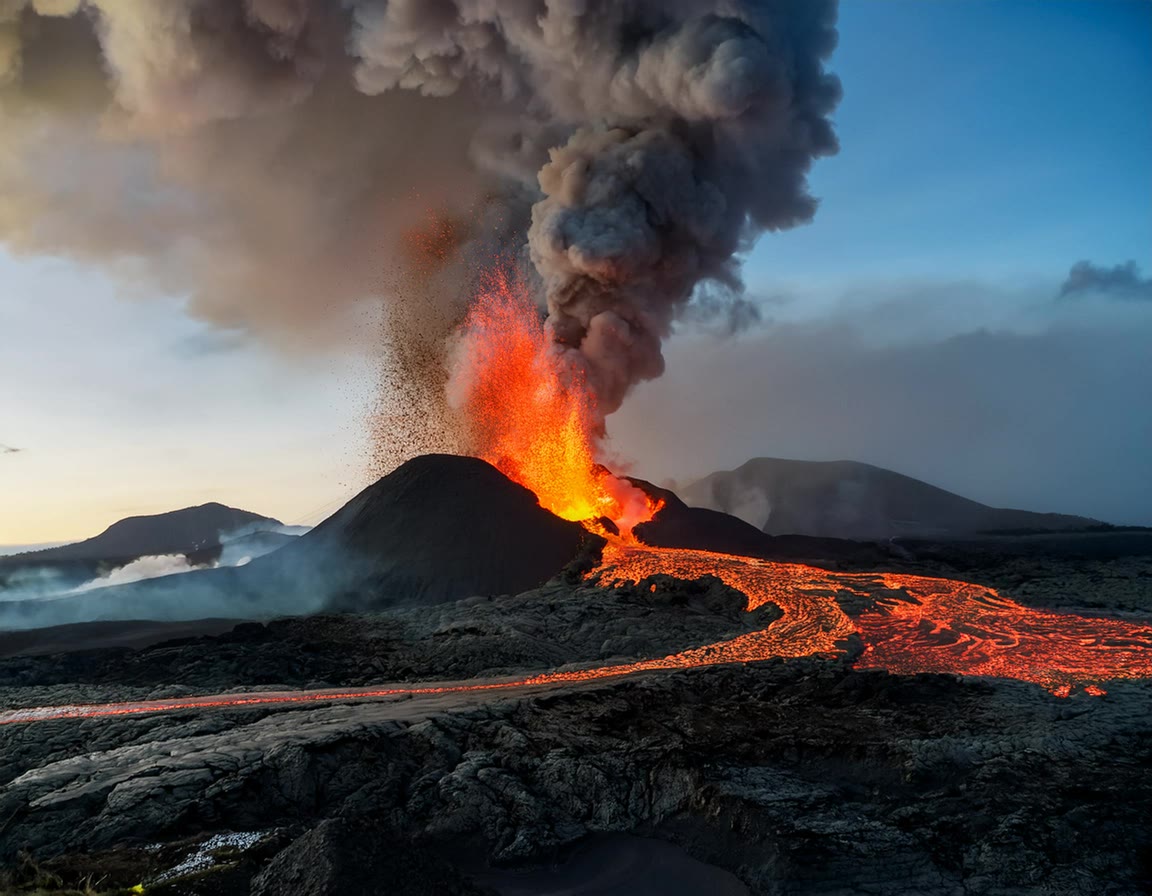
<point x="530" y="413"/>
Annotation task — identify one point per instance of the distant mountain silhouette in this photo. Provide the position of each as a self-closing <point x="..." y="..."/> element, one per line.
<point x="677" y="525"/>
<point x="190" y="531"/>
<point x="846" y="499"/>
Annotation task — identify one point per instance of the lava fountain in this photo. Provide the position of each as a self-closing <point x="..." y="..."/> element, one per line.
<point x="531" y="415"/>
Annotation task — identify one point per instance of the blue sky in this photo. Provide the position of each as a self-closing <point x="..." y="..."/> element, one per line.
<point x="985" y="148"/>
<point x="981" y="138"/>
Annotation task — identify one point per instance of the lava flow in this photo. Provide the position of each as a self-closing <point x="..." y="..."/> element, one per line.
<point x="535" y="421"/>
<point x="538" y="424"/>
<point x="915" y="623"/>
<point x="918" y="624"/>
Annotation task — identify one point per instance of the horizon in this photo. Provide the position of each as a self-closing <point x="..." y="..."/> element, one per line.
<point x="20" y="548"/>
<point x="929" y="320"/>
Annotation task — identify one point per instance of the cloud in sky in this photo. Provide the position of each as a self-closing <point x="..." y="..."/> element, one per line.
<point x="1123" y="281"/>
<point x="1000" y="395"/>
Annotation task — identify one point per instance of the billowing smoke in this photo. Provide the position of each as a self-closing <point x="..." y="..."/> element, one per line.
<point x="267" y="157"/>
<point x="1122" y="281"/>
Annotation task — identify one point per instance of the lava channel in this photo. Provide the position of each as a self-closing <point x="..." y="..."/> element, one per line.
<point x="915" y="624"/>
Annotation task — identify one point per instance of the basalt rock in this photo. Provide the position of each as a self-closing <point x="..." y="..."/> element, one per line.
<point x="800" y="777"/>
<point x="347" y="858"/>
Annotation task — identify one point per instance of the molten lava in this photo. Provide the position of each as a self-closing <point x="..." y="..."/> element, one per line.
<point x="915" y="624"/>
<point x="531" y="415"/>
<point x="536" y="420"/>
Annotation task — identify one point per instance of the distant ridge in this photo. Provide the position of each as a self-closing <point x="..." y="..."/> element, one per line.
<point x="187" y="531"/>
<point x="847" y="499"/>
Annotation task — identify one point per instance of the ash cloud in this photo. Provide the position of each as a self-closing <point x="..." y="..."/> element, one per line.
<point x="724" y="312"/>
<point x="267" y="157"/>
<point x="1123" y="281"/>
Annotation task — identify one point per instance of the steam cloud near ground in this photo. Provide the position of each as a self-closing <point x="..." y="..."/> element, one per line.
<point x="266" y="157"/>
<point x="238" y="548"/>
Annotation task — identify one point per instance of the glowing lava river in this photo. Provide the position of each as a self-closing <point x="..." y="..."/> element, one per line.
<point x="533" y="417"/>
<point x="916" y="624"/>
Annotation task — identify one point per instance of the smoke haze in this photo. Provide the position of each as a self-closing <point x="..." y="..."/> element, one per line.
<point x="1042" y="405"/>
<point x="1122" y="281"/>
<point x="268" y="158"/>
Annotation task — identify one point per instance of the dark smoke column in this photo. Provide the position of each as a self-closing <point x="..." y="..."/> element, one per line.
<point x="681" y="130"/>
<point x="256" y="156"/>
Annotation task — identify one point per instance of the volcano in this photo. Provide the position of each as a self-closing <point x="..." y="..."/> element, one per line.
<point x="846" y="499"/>
<point x="438" y="528"/>
<point x="190" y="531"/>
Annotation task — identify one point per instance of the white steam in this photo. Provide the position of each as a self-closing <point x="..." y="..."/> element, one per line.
<point x="139" y="570"/>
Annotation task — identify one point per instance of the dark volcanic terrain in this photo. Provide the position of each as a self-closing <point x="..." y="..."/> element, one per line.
<point x="803" y="776"/>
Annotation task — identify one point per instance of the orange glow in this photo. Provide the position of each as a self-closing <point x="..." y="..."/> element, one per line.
<point x="941" y="625"/>
<point x="531" y="415"/>
<point x="533" y="418"/>
<point x="920" y="624"/>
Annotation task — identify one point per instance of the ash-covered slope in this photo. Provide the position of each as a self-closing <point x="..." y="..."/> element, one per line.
<point x="188" y="531"/>
<point x="437" y="529"/>
<point x="846" y="499"/>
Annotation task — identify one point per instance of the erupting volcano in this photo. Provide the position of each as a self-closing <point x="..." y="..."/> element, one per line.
<point x="534" y="417"/>
<point x="409" y="259"/>
<point x="531" y="414"/>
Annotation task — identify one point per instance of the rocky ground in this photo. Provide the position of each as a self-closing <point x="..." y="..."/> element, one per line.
<point x="797" y="777"/>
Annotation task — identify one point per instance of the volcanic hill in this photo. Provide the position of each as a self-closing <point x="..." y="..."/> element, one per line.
<point x="188" y="531"/>
<point x="846" y="499"/>
<point x="438" y="528"/>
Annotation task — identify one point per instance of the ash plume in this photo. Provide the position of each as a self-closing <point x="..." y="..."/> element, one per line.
<point x="267" y="158"/>
<point x="1121" y="281"/>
